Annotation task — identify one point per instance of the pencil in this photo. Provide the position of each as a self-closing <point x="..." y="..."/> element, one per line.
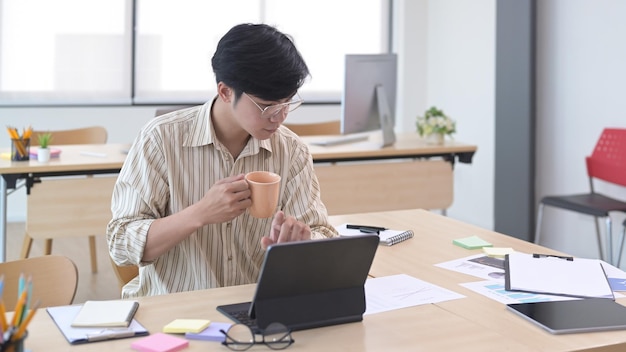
<point x="29" y="288"/>
<point x="18" y="308"/>
<point x="20" y="284"/>
<point x="3" y="318"/>
<point x="27" y="132"/>
<point x="24" y="324"/>
<point x="12" y="133"/>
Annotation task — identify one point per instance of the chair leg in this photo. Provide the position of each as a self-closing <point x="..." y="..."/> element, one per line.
<point x="26" y="245"/>
<point x="92" y="251"/>
<point x="599" y="239"/>
<point x="609" y="240"/>
<point x="47" y="249"/>
<point x="538" y="225"/>
<point x="621" y="246"/>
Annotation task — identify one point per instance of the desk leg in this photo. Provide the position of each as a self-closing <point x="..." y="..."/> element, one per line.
<point x="3" y="219"/>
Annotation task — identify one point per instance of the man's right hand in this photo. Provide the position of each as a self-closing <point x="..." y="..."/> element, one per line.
<point x="227" y="199"/>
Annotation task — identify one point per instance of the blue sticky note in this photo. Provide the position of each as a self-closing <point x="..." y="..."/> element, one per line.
<point x="212" y="333"/>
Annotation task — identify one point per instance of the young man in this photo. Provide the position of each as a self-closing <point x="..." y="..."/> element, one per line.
<point x="180" y="203"/>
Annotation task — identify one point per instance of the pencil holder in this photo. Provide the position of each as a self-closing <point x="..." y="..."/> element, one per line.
<point x="14" y="345"/>
<point x="20" y="149"/>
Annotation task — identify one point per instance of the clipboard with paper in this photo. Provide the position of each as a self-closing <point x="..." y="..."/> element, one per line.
<point x="64" y="315"/>
<point x="563" y="276"/>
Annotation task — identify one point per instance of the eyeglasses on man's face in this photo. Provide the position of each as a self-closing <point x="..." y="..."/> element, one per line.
<point x="271" y="111"/>
<point x="240" y="337"/>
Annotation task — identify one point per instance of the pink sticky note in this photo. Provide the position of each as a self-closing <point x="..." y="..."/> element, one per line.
<point x="160" y="342"/>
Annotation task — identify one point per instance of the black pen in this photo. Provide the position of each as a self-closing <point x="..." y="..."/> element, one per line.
<point x="538" y="255"/>
<point x="367" y="228"/>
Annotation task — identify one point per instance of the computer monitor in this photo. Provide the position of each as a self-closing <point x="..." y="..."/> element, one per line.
<point x="369" y="95"/>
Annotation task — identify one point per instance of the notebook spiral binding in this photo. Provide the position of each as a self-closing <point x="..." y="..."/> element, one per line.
<point x="399" y="237"/>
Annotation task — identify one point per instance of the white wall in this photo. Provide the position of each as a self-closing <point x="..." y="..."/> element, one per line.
<point x="581" y="88"/>
<point x="446" y="53"/>
<point x="461" y="80"/>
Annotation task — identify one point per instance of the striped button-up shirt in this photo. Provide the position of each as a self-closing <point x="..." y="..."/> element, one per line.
<point x="173" y="162"/>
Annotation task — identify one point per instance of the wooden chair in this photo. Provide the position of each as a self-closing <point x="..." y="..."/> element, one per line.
<point x="163" y="111"/>
<point x="124" y="273"/>
<point x="68" y="207"/>
<point x="86" y="135"/>
<point x="54" y="280"/>
<point x="315" y="128"/>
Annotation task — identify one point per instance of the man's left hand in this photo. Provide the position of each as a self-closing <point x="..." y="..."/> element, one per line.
<point x="286" y="229"/>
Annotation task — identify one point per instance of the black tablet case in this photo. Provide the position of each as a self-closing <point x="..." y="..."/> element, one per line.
<point x="313" y="283"/>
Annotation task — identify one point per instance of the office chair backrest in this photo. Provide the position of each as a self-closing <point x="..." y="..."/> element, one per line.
<point x="54" y="279"/>
<point x="86" y="135"/>
<point x="608" y="160"/>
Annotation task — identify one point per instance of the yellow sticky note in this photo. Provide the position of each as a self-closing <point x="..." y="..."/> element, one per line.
<point x="181" y="326"/>
<point x="497" y="252"/>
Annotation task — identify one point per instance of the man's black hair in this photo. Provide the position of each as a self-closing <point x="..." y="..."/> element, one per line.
<point x="259" y="60"/>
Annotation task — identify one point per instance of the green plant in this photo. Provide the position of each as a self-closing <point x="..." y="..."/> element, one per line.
<point x="435" y="121"/>
<point x="44" y="139"/>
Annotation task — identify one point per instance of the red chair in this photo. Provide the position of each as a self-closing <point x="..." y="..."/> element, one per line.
<point x="607" y="163"/>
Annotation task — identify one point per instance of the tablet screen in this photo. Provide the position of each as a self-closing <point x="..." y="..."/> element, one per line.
<point x="581" y="315"/>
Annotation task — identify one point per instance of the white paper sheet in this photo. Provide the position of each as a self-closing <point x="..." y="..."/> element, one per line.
<point x="579" y="277"/>
<point x="400" y="291"/>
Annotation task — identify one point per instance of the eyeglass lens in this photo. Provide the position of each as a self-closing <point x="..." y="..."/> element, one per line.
<point x="274" y="110"/>
<point x="240" y="338"/>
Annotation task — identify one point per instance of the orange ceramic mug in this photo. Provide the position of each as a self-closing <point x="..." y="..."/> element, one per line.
<point x="264" y="191"/>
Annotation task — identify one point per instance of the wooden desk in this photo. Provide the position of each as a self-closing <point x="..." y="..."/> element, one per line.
<point x="474" y="323"/>
<point x="362" y="177"/>
<point x="358" y="177"/>
<point x="432" y="244"/>
<point x="71" y="162"/>
<point x="425" y="328"/>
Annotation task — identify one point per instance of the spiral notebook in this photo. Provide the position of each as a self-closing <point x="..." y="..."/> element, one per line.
<point x="387" y="236"/>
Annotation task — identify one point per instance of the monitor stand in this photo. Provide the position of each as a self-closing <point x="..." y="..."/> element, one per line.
<point x="386" y="125"/>
<point x="386" y="120"/>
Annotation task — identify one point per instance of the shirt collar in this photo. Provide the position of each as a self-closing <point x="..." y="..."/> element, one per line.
<point x="200" y="129"/>
<point x="202" y="132"/>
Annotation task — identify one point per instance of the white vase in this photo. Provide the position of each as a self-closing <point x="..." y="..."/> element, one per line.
<point x="435" y="138"/>
<point x="43" y="155"/>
